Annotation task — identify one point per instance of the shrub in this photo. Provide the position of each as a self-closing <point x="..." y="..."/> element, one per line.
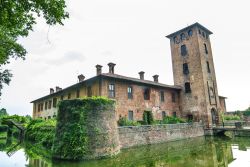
<point x="231" y="117"/>
<point x="148" y="118"/>
<point x="125" y="122"/>
<point x="3" y="128"/>
<point x="172" y="120"/>
<point x="247" y="112"/>
<point x="41" y="132"/>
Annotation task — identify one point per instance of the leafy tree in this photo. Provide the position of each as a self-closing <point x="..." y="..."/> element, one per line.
<point x="17" y="18"/>
<point x="3" y="112"/>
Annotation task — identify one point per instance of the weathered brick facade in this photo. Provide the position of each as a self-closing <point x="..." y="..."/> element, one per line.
<point x="193" y="96"/>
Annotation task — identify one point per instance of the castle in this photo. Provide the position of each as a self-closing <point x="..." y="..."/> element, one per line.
<point x="193" y="96"/>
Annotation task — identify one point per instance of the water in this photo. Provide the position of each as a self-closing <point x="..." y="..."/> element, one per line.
<point x="197" y="152"/>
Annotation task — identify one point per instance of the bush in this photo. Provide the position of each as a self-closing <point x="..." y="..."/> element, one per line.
<point x="246" y="113"/>
<point x="125" y="122"/>
<point x="3" y="128"/>
<point x="231" y="117"/>
<point x="148" y="118"/>
<point x="172" y="120"/>
<point x="41" y="132"/>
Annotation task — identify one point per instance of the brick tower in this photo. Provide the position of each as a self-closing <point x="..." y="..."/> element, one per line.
<point x="193" y="69"/>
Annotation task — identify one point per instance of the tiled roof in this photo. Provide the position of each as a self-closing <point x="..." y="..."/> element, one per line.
<point x="140" y="81"/>
<point x="116" y="76"/>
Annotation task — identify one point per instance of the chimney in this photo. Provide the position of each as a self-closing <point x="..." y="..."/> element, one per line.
<point x="58" y="88"/>
<point x="141" y="75"/>
<point x="156" y="78"/>
<point x="51" y="91"/>
<point x="98" y="69"/>
<point x="81" y="78"/>
<point x="111" y="68"/>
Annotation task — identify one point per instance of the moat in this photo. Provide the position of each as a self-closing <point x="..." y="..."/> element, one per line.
<point x="201" y="151"/>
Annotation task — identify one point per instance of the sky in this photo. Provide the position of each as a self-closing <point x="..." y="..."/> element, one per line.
<point x="130" y="33"/>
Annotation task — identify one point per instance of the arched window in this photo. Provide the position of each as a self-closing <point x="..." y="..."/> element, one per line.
<point x="203" y="34"/>
<point x="175" y="39"/>
<point x="183" y="36"/>
<point x="187" y="87"/>
<point x="190" y="33"/>
<point x="183" y="50"/>
<point x="205" y="47"/>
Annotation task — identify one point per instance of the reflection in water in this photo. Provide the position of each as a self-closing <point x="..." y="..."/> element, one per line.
<point x="200" y="152"/>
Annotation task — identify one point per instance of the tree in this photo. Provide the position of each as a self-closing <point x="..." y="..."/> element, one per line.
<point x="17" y="18"/>
<point x="3" y="112"/>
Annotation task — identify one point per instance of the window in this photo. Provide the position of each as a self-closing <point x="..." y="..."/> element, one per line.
<point x="173" y="97"/>
<point x="183" y="50"/>
<point x="54" y="102"/>
<point x="130" y="92"/>
<point x="174" y="114"/>
<point x="187" y="87"/>
<point x="49" y="117"/>
<point x="146" y="94"/>
<point x="203" y="34"/>
<point x="61" y="97"/>
<point x="190" y="118"/>
<point x="163" y="114"/>
<point x="69" y="95"/>
<point x="185" y="68"/>
<point x="46" y="105"/>
<point x="205" y="47"/>
<point x="50" y="102"/>
<point x="41" y="106"/>
<point x="199" y="31"/>
<point x="190" y="33"/>
<point x="111" y="89"/>
<point x="208" y="68"/>
<point x="183" y="36"/>
<point x="89" y="91"/>
<point x="175" y="39"/>
<point x="77" y="93"/>
<point x="130" y="115"/>
<point x="162" y="96"/>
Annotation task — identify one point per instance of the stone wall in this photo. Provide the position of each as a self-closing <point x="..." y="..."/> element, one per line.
<point x="151" y="134"/>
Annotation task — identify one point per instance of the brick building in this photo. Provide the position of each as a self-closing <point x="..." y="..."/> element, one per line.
<point x="194" y="94"/>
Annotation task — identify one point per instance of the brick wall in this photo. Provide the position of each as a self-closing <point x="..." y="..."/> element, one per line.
<point x="143" y="135"/>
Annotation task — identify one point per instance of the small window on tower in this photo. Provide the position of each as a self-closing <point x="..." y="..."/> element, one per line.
<point x="185" y="68"/>
<point x="208" y="67"/>
<point x="183" y="36"/>
<point x="190" y="33"/>
<point x="203" y="34"/>
<point x="205" y="47"/>
<point x="175" y="39"/>
<point x="187" y="87"/>
<point x="183" y="50"/>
